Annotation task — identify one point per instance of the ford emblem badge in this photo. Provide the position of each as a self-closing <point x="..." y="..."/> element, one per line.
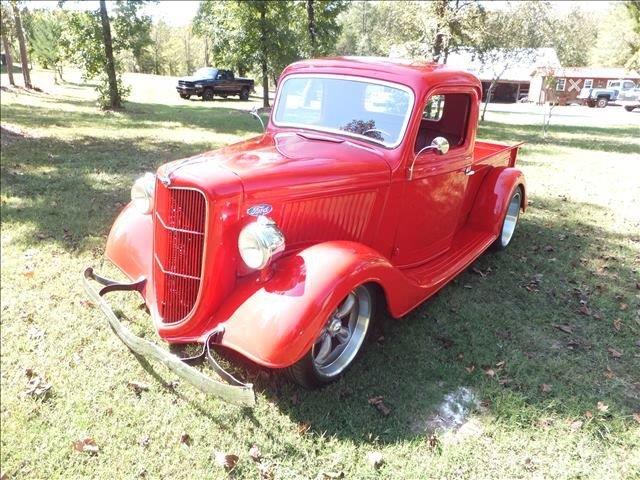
<point x="261" y="209"/>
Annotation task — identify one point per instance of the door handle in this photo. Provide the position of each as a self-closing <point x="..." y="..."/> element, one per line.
<point x="469" y="171"/>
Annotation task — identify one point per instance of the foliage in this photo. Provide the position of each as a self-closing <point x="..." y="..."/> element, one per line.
<point x="573" y="35"/>
<point x="45" y="31"/>
<point x="325" y="26"/>
<point x="618" y="40"/>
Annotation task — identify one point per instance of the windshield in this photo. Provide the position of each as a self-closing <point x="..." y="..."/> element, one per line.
<point x="205" y="72"/>
<point x="378" y="111"/>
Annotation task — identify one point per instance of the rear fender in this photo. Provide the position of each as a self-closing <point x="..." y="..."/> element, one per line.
<point x="274" y="323"/>
<point x="493" y="198"/>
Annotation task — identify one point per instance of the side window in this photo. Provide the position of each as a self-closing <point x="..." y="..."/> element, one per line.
<point x="560" y="83"/>
<point x="445" y="115"/>
<point x="588" y="83"/>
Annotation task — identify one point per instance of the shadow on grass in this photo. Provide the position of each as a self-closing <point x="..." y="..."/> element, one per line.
<point x="588" y="138"/>
<point x="507" y="316"/>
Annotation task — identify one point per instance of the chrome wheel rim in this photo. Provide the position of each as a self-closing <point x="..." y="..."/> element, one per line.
<point x="343" y="334"/>
<point x="510" y="220"/>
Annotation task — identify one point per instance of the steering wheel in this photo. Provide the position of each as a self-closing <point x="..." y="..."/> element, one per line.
<point x="382" y="132"/>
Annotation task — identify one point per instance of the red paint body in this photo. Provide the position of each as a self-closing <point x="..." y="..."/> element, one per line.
<point x="346" y="206"/>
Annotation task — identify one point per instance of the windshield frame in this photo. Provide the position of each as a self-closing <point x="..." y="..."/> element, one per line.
<point x="373" y="81"/>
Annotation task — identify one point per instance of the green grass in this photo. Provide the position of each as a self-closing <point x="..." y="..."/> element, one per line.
<point x="63" y="183"/>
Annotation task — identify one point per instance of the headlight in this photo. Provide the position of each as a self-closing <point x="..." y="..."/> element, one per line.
<point x="259" y="241"/>
<point x="199" y="85"/>
<point x="142" y="192"/>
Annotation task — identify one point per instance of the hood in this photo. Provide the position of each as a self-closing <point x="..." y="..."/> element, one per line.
<point x="283" y="163"/>
<point x="191" y="79"/>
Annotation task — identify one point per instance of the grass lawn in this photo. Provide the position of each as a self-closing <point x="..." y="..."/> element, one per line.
<point x="542" y="341"/>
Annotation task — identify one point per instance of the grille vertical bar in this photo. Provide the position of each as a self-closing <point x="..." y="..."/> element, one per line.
<point x="178" y="250"/>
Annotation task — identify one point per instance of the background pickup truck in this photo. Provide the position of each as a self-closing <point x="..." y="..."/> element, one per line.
<point x="207" y="82"/>
<point x="601" y="97"/>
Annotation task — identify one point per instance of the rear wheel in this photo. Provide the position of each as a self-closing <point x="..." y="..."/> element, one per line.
<point x="629" y="109"/>
<point x="510" y="221"/>
<point x="339" y="342"/>
<point x="244" y="94"/>
<point x="602" y="102"/>
<point x="207" y="95"/>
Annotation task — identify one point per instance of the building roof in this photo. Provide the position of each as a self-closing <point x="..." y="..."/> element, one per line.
<point x="595" y="72"/>
<point x="520" y="71"/>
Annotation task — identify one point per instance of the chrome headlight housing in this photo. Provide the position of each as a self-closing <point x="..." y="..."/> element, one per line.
<point x="259" y="242"/>
<point x="142" y="193"/>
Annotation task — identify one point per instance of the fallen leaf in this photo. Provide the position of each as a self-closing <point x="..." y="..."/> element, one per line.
<point x="378" y="403"/>
<point x="37" y="386"/>
<point x="490" y="372"/>
<point x="623" y="306"/>
<point x="470" y="368"/>
<point x="614" y="353"/>
<point x="460" y="356"/>
<point x="602" y="407"/>
<point x="28" y="271"/>
<point x="467" y="286"/>
<point x="144" y="441"/>
<point x="548" y="248"/>
<point x="266" y="473"/>
<point x="617" y="324"/>
<point x="303" y="427"/>
<point x="505" y="381"/>
<point x="226" y="460"/>
<point x="86" y="445"/>
<point x="375" y="459"/>
<point x="433" y="442"/>
<point x="638" y="343"/>
<point x="545" y="387"/>
<point x="576" y="425"/>
<point x="86" y="304"/>
<point x="608" y="373"/>
<point x="255" y="454"/>
<point x="597" y="316"/>
<point x="637" y="285"/>
<point x="636" y="416"/>
<point x="584" y="310"/>
<point x="564" y="328"/>
<point x="479" y="272"/>
<point x="500" y="365"/>
<point x="185" y="439"/>
<point x="588" y="414"/>
<point x="137" y="387"/>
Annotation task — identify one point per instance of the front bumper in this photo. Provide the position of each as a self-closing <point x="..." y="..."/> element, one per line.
<point x="183" y="90"/>
<point x="233" y="391"/>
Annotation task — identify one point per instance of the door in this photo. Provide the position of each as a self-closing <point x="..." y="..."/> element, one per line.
<point x="435" y="183"/>
<point x="224" y="84"/>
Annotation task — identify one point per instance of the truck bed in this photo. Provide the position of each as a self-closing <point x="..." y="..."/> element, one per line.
<point x="495" y="154"/>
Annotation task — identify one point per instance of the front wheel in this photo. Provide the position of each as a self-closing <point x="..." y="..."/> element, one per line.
<point x="602" y="102"/>
<point x="339" y="342"/>
<point x="629" y="109"/>
<point x="244" y="94"/>
<point x="185" y="96"/>
<point x="207" y="95"/>
<point x="510" y="221"/>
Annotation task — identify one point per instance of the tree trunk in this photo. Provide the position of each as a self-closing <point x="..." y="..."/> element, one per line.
<point x="206" y="51"/>
<point x="263" y="56"/>
<point x="7" y="54"/>
<point x="114" y="94"/>
<point x="24" y="60"/>
<point x="311" y="27"/>
<point x="438" y="42"/>
<point x="487" y="99"/>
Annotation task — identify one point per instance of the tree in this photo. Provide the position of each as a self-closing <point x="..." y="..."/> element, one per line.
<point x="5" y="19"/>
<point x="24" y="60"/>
<point x="322" y="26"/>
<point x="618" y="42"/>
<point x="45" y="33"/>
<point x="110" y="65"/>
<point x="569" y="34"/>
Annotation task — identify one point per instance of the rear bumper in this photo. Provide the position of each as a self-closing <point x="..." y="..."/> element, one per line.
<point x="233" y="391"/>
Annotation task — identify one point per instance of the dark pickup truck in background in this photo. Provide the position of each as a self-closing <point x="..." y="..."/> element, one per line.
<point x="207" y="82"/>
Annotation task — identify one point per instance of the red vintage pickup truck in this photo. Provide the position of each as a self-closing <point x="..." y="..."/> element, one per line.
<point x="367" y="191"/>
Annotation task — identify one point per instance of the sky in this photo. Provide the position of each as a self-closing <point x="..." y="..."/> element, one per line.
<point x="177" y="13"/>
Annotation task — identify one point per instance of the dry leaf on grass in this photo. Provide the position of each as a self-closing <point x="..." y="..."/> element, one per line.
<point x="602" y="407"/>
<point x="617" y="324"/>
<point x="86" y="445"/>
<point x="545" y="387"/>
<point x="564" y="328"/>
<point x="303" y="427"/>
<point x="470" y="368"/>
<point x="614" y="353"/>
<point x="609" y="373"/>
<point x="225" y="460"/>
<point x="636" y="416"/>
<point x="378" y="403"/>
<point x="144" y="441"/>
<point x="255" y="454"/>
<point x="37" y="386"/>
<point x="375" y="459"/>
<point x="576" y="425"/>
<point x="185" y="439"/>
<point x="488" y="371"/>
<point x="137" y="387"/>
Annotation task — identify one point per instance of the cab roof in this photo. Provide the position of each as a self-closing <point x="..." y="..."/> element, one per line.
<point x="417" y="75"/>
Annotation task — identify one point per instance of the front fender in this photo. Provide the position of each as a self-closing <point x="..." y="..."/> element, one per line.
<point x="493" y="198"/>
<point x="275" y="323"/>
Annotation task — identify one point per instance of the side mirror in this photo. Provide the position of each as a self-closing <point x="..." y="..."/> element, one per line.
<point x="440" y="145"/>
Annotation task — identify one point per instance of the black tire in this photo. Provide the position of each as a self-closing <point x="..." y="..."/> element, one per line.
<point x="505" y="237"/>
<point x="591" y="104"/>
<point x="207" y="95"/>
<point x="629" y="109"/>
<point x="185" y="96"/>
<point x="602" y="102"/>
<point x="305" y="371"/>
<point x="244" y="94"/>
